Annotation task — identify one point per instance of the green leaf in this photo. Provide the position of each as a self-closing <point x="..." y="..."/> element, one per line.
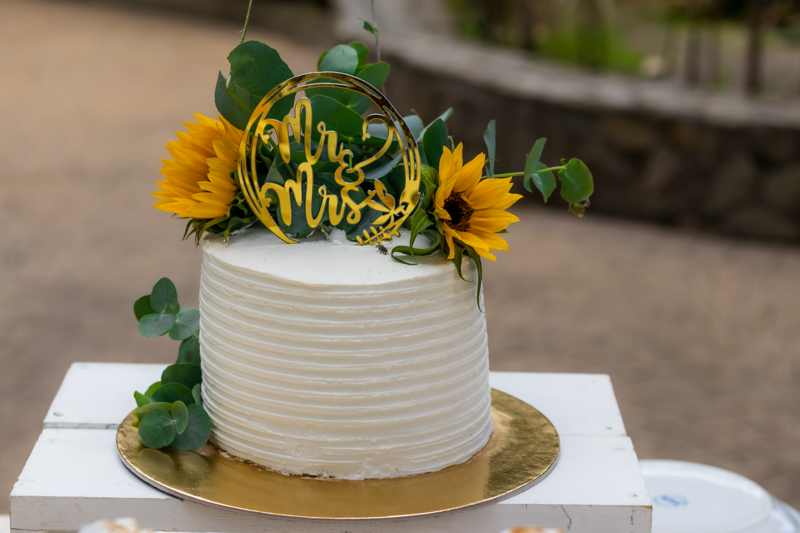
<point x="187" y="323"/>
<point x="430" y="181"/>
<point x="341" y="58"/>
<point x="183" y="373"/>
<point x="236" y="109"/>
<point x="415" y="125"/>
<point x="142" y="307"/>
<point x="458" y="259"/>
<point x="362" y="50"/>
<point x="544" y="180"/>
<point x="347" y="122"/>
<point x="164" y="297"/>
<point x="433" y="142"/>
<point x="156" y="325"/>
<point x="157" y="429"/>
<point x="576" y="182"/>
<point x="531" y="165"/>
<point x="374" y="74"/>
<point x="189" y="352"/>
<point x="172" y="392"/>
<point x="477" y="258"/>
<point x="197" y="394"/>
<point x="419" y="222"/>
<point x="370" y="28"/>
<point x="141" y="399"/>
<point x="436" y="239"/>
<point x="198" y="430"/>
<point x="180" y="415"/>
<point x="143" y="410"/>
<point x="256" y="69"/>
<point x="151" y="389"/>
<point x="444" y="116"/>
<point x="491" y="145"/>
<point x="382" y="170"/>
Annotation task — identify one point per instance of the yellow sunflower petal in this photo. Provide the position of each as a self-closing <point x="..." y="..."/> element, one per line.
<point x="470" y="175"/>
<point x="198" y="178"/>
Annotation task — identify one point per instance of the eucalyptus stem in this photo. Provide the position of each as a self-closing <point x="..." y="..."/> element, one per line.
<point x="513" y="174"/>
<point x="375" y="24"/>
<point x="246" y="20"/>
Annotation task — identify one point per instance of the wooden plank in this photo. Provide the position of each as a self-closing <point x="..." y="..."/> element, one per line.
<point x="74" y="477"/>
<point x="100" y="395"/>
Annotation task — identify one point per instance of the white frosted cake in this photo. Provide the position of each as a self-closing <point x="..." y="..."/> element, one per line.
<point x="329" y="359"/>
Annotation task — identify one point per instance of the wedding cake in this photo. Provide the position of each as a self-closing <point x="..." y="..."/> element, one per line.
<point x="324" y="358"/>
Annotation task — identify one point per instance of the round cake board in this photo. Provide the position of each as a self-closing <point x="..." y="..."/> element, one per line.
<point x="522" y="450"/>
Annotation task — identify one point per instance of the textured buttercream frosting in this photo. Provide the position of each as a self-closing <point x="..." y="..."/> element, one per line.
<point x="326" y="358"/>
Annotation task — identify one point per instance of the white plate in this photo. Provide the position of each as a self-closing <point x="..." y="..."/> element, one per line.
<point x="695" y="498"/>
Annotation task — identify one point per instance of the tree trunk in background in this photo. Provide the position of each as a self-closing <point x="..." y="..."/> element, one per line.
<point x="691" y="66"/>
<point x="592" y="34"/>
<point x="527" y="24"/>
<point x="755" y="34"/>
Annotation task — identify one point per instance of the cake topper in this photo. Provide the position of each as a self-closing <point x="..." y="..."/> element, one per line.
<point x="301" y="126"/>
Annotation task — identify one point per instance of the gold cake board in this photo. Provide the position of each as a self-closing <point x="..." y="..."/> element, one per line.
<point x="521" y="451"/>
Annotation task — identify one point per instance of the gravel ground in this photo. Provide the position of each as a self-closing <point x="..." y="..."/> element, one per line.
<point x="699" y="333"/>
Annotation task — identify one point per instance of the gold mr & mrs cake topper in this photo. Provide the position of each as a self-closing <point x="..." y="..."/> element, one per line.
<point x="349" y="176"/>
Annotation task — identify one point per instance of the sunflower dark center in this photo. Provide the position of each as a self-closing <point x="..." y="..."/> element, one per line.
<point x="460" y="212"/>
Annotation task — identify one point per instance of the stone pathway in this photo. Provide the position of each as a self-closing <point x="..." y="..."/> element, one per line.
<point x="699" y="334"/>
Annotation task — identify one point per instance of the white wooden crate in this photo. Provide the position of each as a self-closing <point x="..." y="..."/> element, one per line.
<point x="74" y="475"/>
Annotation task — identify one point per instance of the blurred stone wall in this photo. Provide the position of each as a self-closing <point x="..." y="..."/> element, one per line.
<point x="740" y="180"/>
<point x="658" y="151"/>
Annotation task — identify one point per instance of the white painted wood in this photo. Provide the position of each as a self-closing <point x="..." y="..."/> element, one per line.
<point x="100" y="396"/>
<point x="74" y="477"/>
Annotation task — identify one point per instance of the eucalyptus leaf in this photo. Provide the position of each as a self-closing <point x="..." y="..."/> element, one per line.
<point x="341" y="58"/>
<point x="489" y="136"/>
<point x="433" y="142"/>
<point x="144" y="409"/>
<point x="347" y="122"/>
<point x="444" y="116"/>
<point x="142" y="307"/>
<point x="141" y="399"/>
<point x="374" y="74"/>
<point x="370" y="28"/>
<point x="197" y="394"/>
<point x="198" y="430"/>
<point x="164" y="297"/>
<point x="576" y="182"/>
<point x="256" y="69"/>
<point x="151" y="389"/>
<point x="183" y="373"/>
<point x="156" y="325"/>
<point x="187" y="323"/>
<point x="180" y="416"/>
<point x="157" y="429"/>
<point x="172" y="392"/>
<point x="531" y="165"/>
<point x="380" y="171"/>
<point x="544" y="180"/>
<point x="362" y="50"/>
<point x="415" y="125"/>
<point x="233" y="102"/>
<point x="189" y="351"/>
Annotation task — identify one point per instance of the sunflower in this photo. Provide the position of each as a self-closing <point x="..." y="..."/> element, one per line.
<point x="472" y="210"/>
<point x="198" y="179"/>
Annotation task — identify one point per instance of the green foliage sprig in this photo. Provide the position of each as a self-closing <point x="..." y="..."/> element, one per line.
<point x="170" y="412"/>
